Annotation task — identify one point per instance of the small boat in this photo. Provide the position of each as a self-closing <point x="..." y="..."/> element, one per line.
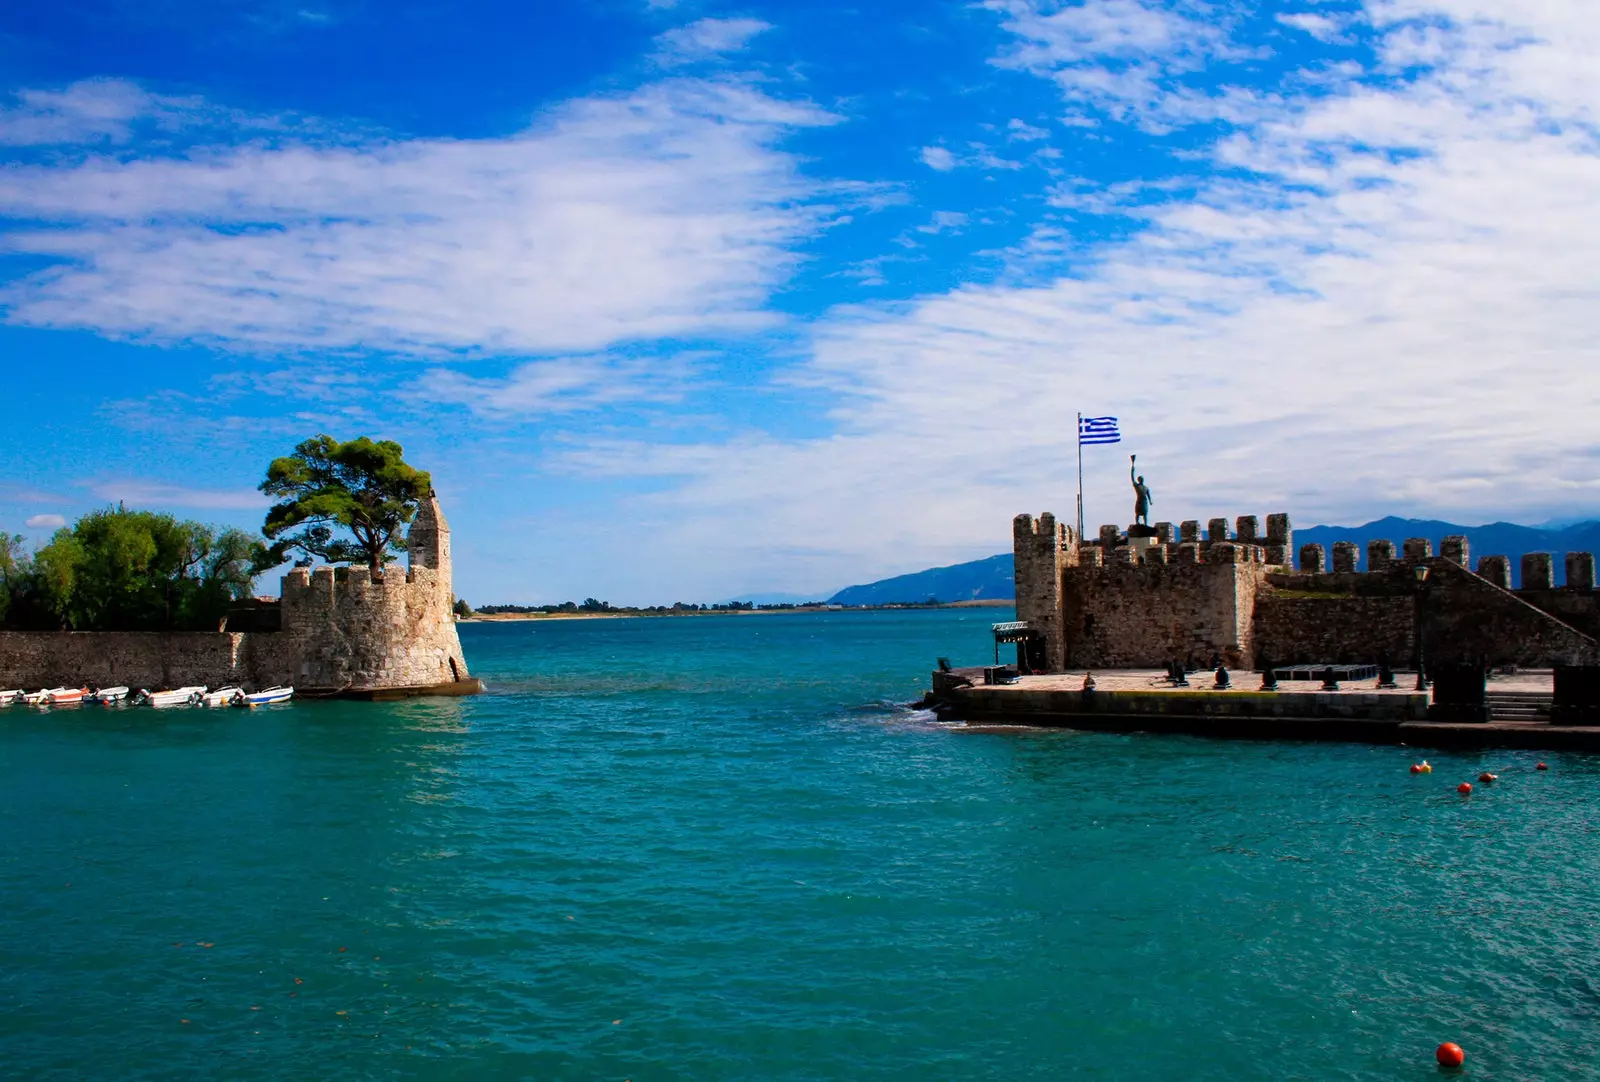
<point x="66" y="696"/>
<point x="110" y="695"/>
<point x="268" y="696"/>
<point x="185" y="696"/>
<point x="222" y="697"/>
<point x="37" y="698"/>
<point x="13" y="696"/>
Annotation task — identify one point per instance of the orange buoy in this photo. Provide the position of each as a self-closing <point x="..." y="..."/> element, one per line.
<point x="1487" y="777"/>
<point x="1427" y="768"/>
<point x="1416" y="769"/>
<point x="1450" y="1054"/>
<point x="1464" y="788"/>
<point x="1542" y="766"/>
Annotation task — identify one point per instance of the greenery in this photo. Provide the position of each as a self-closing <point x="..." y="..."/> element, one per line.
<point x="121" y="570"/>
<point x="362" y="487"/>
<point x="462" y="609"/>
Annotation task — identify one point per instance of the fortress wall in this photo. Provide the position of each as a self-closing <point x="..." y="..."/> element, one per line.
<point x="1041" y="550"/>
<point x="1301" y="630"/>
<point x="139" y="659"/>
<point x="1127" y="615"/>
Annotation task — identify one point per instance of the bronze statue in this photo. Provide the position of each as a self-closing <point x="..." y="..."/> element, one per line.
<point x="1141" y="495"/>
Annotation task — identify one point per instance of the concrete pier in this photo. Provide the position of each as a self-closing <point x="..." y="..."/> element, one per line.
<point x="1359" y="712"/>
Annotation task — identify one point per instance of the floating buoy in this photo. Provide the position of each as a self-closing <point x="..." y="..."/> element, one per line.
<point x="1542" y="766"/>
<point x="1464" y="788"/>
<point x="1416" y="768"/>
<point x="1487" y="777"/>
<point x="1450" y="1054"/>
<point x="1426" y="767"/>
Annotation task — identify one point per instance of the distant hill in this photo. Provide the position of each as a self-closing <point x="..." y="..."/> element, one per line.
<point x="994" y="578"/>
<point x="979" y="580"/>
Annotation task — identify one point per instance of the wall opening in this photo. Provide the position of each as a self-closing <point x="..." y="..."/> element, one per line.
<point x="455" y="673"/>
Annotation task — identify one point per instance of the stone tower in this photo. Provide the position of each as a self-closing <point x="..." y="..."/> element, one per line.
<point x="349" y="630"/>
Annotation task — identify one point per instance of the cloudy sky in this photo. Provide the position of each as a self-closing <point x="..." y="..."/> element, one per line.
<point x="686" y="300"/>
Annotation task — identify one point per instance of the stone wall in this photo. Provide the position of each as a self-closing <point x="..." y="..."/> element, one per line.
<point x="342" y="629"/>
<point x="139" y="659"/>
<point x="1294" y="628"/>
<point x="1129" y="615"/>
<point x="1040" y="551"/>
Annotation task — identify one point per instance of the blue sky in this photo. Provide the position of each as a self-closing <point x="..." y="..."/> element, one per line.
<point x="685" y="300"/>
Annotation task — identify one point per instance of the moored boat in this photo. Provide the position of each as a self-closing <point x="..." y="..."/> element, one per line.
<point x="110" y="695"/>
<point x="222" y="696"/>
<point x="65" y="696"/>
<point x="16" y="695"/>
<point x="268" y="696"/>
<point x="37" y="698"/>
<point x="185" y="696"/>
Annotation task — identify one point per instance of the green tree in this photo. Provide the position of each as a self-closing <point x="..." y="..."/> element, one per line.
<point x="462" y="609"/>
<point x="361" y="486"/>
<point x="16" y="571"/>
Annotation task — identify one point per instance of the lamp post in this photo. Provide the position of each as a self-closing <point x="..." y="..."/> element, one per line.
<point x="1421" y="572"/>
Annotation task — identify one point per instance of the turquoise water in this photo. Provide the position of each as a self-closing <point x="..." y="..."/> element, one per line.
<point x="715" y="848"/>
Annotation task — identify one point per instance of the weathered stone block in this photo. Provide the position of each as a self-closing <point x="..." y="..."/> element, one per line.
<point x="1248" y="528"/>
<point x="1189" y="531"/>
<point x="1538" y="571"/>
<point x="1496" y="569"/>
<point x="1188" y="553"/>
<point x="1092" y="557"/>
<point x="1165" y="533"/>
<point x="1580" y="570"/>
<point x="1418" y="548"/>
<point x="1155" y="554"/>
<point x="1313" y="559"/>
<point x="1279" y="531"/>
<point x="1456" y="549"/>
<point x="1226" y="552"/>
<point x="1380" y="555"/>
<point x="1217" y="530"/>
<point x="1346" y="556"/>
<point x="1110" y="537"/>
<point x="1124" y="554"/>
<point x="1278" y="555"/>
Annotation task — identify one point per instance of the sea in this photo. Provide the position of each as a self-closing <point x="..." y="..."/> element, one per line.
<point x="726" y="847"/>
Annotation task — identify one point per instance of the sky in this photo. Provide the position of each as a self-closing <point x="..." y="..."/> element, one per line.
<point x="686" y="300"/>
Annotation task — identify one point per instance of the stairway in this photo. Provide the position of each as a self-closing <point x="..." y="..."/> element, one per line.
<point x="1519" y="706"/>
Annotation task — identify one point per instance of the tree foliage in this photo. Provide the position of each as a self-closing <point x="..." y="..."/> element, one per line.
<point x="361" y="487"/>
<point x="121" y="570"/>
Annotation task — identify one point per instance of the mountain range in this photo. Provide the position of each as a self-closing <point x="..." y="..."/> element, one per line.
<point x="993" y="577"/>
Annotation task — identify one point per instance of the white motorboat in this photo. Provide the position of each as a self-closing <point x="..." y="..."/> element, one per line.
<point x="66" y="696"/>
<point x="110" y="695"/>
<point x="222" y="697"/>
<point x="14" y="696"/>
<point x="185" y="696"/>
<point x="268" y="696"/>
<point x="37" y="698"/>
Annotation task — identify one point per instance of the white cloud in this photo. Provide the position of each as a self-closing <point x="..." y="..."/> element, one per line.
<point x="668" y="211"/>
<point x="94" y="110"/>
<point x="705" y="39"/>
<point x="1384" y="301"/>
<point x="944" y="221"/>
<point x="558" y="385"/>
<point x="938" y="158"/>
<point x="1321" y="27"/>
<point x="45" y="522"/>
<point x="1023" y="132"/>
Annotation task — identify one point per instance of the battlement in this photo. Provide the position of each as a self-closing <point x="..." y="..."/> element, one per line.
<point x="1165" y="544"/>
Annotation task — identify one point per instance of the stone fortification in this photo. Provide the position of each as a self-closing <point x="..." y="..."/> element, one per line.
<point x="1151" y="595"/>
<point x="341" y="630"/>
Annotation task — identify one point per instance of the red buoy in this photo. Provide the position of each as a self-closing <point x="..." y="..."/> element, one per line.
<point x="1416" y="769"/>
<point x="1450" y="1054"/>
<point x="1487" y="777"/>
<point x="1542" y="766"/>
<point x="1464" y="788"/>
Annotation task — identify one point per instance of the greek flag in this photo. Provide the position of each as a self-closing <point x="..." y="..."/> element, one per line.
<point x="1098" y="430"/>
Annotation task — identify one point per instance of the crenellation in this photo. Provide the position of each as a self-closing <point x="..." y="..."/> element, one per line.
<point x="1538" y="572"/>
<point x="1346" y="557"/>
<point x="1110" y="536"/>
<point x="1247" y="528"/>
<point x="1495" y="569"/>
<point x="1380" y="555"/>
<point x="1313" y="559"/>
<point x="1166" y="534"/>
<point x="1124" y="554"/>
<point x="1456" y="549"/>
<point x="1189" y="531"/>
<point x="1417" y="548"/>
<point x="1279" y="531"/>
<point x="1188" y="553"/>
<point x="1580" y="571"/>
<point x="1217" y="530"/>
<point x="1277" y="555"/>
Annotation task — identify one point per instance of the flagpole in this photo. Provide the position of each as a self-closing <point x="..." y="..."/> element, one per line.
<point x="1080" y="478"/>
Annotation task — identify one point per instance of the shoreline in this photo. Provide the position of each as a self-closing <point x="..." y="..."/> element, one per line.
<point x="520" y="617"/>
